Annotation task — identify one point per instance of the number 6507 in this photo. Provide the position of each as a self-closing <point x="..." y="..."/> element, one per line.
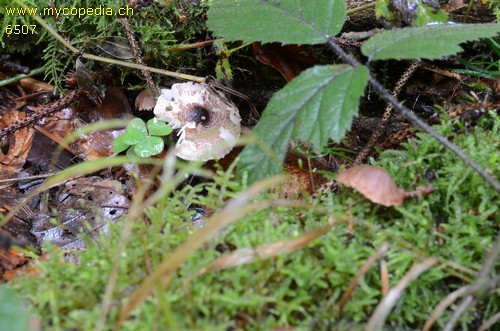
<point x="20" y="29"/>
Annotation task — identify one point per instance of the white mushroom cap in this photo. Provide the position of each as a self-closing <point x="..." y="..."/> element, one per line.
<point x="209" y="123"/>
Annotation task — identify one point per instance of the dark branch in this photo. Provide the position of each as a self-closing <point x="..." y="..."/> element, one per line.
<point x="386" y="95"/>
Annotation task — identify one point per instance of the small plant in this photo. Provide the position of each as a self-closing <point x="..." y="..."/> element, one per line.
<point x="145" y="140"/>
<point x="414" y="13"/>
<point x="495" y="4"/>
<point x="319" y="104"/>
<point x="484" y="66"/>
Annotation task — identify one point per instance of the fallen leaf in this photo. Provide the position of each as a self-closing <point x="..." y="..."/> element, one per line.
<point x="15" y="148"/>
<point x="86" y="204"/>
<point x="10" y="260"/>
<point x="374" y="183"/>
<point x="454" y="5"/>
<point x="289" y="60"/>
<point x="30" y="268"/>
<point x="35" y="85"/>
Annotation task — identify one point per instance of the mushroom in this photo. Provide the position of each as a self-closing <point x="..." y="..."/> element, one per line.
<point x="209" y="123"/>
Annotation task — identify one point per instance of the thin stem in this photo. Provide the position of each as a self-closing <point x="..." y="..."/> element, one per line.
<point x="355" y="10"/>
<point x="21" y="76"/>
<point x="386" y="95"/>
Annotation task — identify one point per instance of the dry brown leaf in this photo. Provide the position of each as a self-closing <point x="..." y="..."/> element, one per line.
<point x="98" y="144"/>
<point x="289" y="60"/>
<point x="15" y="148"/>
<point x="35" y="85"/>
<point x="30" y="268"/>
<point x="454" y="5"/>
<point x="374" y="183"/>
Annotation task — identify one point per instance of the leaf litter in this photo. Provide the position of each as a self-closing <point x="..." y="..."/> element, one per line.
<point x="375" y="184"/>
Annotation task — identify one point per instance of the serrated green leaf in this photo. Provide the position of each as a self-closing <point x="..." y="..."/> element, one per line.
<point x="119" y="144"/>
<point x="316" y="106"/>
<point x="149" y="146"/>
<point x="326" y="100"/>
<point x="428" y="42"/>
<point x="288" y="22"/>
<point x="158" y="128"/>
<point x="136" y="132"/>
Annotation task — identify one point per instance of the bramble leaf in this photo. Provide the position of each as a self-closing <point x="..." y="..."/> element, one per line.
<point x="428" y="42"/>
<point x="316" y="106"/>
<point x="288" y="22"/>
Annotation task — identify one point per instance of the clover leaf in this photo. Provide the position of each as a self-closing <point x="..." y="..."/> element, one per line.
<point x="158" y="128"/>
<point x="146" y="139"/>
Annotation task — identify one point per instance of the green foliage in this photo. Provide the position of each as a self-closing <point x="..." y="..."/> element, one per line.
<point x="415" y="11"/>
<point x="146" y="140"/>
<point x="310" y="23"/>
<point x="426" y="15"/>
<point x="484" y="65"/>
<point x="13" y="314"/>
<point x="456" y="223"/>
<point x="153" y="26"/>
<point x="289" y="22"/>
<point x="413" y="43"/>
<point x="495" y="4"/>
<point x="316" y="106"/>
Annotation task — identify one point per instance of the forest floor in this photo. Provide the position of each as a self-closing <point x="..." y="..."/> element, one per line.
<point x="382" y="229"/>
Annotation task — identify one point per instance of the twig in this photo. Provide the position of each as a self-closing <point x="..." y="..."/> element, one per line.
<point x="443" y="304"/>
<point x="384" y="277"/>
<point x="387" y="114"/>
<point x="468" y="302"/>
<point x="41" y="112"/>
<point x="361" y="8"/>
<point x="55" y="139"/>
<point x="481" y="285"/>
<point x="17" y="78"/>
<point x="383" y="309"/>
<point x="490" y="322"/>
<point x="108" y="60"/>
<point x="385" y="94"/>
<point x="138" y="57"/>
<point x="198" y="44"/>
<point x="18" y="179"/>
<point x="359" y="275"/>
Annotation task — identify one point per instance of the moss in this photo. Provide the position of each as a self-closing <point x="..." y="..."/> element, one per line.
<point x="456" y="224"/>
<point x="158" y="26"/>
